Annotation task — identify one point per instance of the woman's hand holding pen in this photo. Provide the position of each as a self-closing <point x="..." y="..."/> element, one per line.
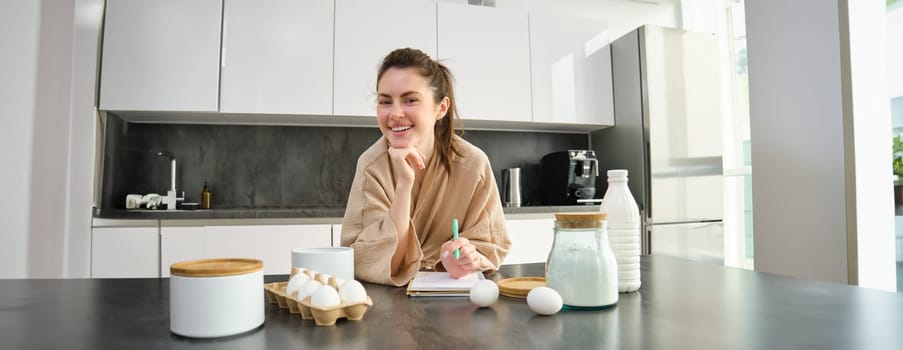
<point x="468" y="259"/>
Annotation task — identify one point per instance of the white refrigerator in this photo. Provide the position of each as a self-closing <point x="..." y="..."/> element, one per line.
<point x="667" y="134"/>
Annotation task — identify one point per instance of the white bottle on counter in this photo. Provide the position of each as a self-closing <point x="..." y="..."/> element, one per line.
<point x="623" y="229"/>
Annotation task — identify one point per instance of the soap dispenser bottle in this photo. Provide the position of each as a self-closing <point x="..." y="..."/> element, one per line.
<point x="205" y="197"/>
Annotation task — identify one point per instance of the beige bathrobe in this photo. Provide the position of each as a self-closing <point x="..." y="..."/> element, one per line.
<point x="469" y="195"/>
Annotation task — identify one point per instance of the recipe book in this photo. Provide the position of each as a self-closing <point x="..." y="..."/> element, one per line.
<point x="441" y="284"/>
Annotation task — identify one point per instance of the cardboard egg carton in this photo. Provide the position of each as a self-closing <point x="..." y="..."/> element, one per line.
<point x="275" y="293"/>
<point x="322" y="316"/>
<point x="327" y="316"/>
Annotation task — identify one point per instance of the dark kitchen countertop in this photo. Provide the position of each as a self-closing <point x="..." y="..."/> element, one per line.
<point x="237" y="213"/>
<point x="681" y="304"/>
<point x="273" y="213"/>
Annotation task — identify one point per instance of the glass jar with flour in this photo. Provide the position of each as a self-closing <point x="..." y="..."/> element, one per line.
<point x="582" y="267"/>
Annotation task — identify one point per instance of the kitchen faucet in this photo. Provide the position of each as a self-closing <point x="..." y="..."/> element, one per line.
<point x="171" y="198"/>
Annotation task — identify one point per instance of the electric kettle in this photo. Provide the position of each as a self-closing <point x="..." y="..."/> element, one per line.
<point x="511" y="189"/>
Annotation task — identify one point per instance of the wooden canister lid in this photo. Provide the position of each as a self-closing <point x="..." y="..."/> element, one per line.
<point x="580" y="220"/>
<point x="215" y="267"/>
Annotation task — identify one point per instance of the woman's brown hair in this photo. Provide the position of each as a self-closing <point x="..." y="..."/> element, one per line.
<point x="440" y="79"/>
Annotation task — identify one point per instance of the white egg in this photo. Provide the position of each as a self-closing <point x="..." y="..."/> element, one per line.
<point x="544" y="301"/>
<point x="484" y="293"/>
<point x="352" y="292"/>
<point x="338" y="282"/>
<point x="296" y="283"/>
<point x="298" y="270"/>
<point x="325" y="296"/>
<point x="309" y="288"/>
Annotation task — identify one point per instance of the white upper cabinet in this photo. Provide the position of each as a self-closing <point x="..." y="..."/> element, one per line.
<point x="571" y="70"/>
<point x="161" y="55"/>
<point x="488" y="52"/>
<point x="365" y="31"/>
<point x="277" y="57"/>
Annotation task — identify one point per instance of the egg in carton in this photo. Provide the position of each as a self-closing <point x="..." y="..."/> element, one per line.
<point x="276" y="291"/>
<point x="275" y="294"/>
<point x="317" y="276"/>
<point x="299" y="300"/>
<point x="296" y="270"/>
<point x="283" y="293"/>
<point x="309" y="288"/>
<point x="326" y="303"/>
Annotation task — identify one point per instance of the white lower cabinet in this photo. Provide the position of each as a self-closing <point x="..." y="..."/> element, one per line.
<point x="180" y="244"/>
<point x="125" y="252"/>
<point x="272" y="244"/>
<point x="531" y="240"/>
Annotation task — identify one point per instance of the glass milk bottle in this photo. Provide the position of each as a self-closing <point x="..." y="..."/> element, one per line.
<point x="581" y="265"/>
<point x="623" y="229"/>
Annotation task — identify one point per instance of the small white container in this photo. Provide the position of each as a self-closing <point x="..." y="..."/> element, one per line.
<point x="216" y="297"/>
<point x="334" y="261"/>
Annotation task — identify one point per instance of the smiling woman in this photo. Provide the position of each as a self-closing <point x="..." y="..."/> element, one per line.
<point x="419" y="177"/>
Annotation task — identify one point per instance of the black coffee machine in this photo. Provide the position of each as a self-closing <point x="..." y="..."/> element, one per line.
<point x="567" y="176"/>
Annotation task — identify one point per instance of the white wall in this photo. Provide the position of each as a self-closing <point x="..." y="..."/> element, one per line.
<point x="796" y="122"/>
<point x="83" y="125"/>
<point x="48" y="136"/>
<point x="868" y="129"/>
<point x="50" y="158"/>
<point x="19" y="22"/>
<point x="810" y="172"/>
<point x="895" y="51"/>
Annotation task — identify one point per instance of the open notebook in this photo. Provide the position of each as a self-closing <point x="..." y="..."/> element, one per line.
<point x="440" y="284"/>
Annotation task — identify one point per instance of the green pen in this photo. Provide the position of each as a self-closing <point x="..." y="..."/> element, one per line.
<point x="455" y="236"/>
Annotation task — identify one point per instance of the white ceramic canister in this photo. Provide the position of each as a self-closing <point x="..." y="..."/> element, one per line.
<point x="215" y="297"/>
<point x="334" y="261"/>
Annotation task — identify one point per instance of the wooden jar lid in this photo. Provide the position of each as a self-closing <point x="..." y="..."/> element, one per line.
<point x="215" y="267"/>
<point x="580" y="220"/>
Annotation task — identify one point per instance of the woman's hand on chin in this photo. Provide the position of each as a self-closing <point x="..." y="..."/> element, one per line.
<point x="404" y="161"/>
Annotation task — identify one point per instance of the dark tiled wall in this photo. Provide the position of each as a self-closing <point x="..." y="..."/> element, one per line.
<point x="280" y="166"/>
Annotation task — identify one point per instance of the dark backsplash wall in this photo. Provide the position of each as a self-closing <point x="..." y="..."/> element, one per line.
<point x="280" y="166"/>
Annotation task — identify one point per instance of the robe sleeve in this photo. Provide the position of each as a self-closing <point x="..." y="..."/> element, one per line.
<point x="485" y="226"/>
<point x="368" y="228"/>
